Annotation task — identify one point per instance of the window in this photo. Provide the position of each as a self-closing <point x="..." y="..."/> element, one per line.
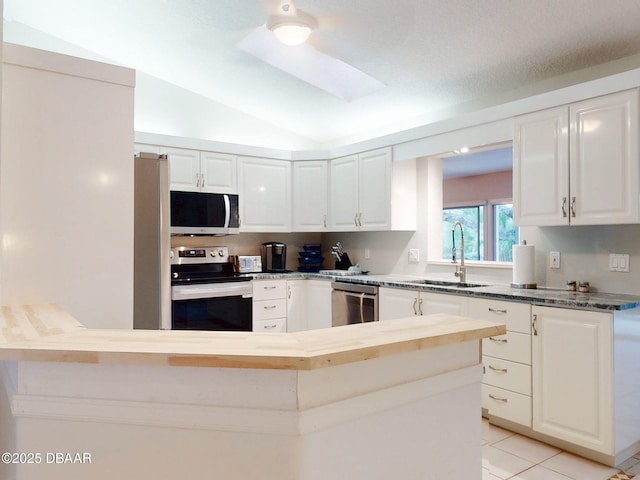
<point x="472" y="220"/>
<point x="489" y="232"/>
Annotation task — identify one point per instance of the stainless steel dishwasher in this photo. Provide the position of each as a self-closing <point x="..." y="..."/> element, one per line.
<point x="353" y="303"/>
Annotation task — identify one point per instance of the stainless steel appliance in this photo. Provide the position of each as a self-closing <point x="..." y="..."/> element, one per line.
<point x="199" y="213"/>
<point x="274" y="257"/>
<point x="206" y="291"/>
<point x="152" y="243"/>
<point x="353" y="303"/>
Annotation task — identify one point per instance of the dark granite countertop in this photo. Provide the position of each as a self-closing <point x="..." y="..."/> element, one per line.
<point x="537" y="296"/>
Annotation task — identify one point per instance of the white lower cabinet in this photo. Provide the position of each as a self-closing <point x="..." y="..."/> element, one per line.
<point x="573" y="376"/>
<point x="269" y="306"/>
<point x="297" y="301"/>
<point x="308" y="304"/>
<point x="400" y="303"/>
<point x="506" y="385"/>
<point x="318" y="304"/>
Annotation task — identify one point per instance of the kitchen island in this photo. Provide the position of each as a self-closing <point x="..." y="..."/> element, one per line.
<point x="396" y="399"/>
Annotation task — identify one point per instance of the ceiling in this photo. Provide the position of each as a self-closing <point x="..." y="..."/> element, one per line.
<point x="430" y="55"/>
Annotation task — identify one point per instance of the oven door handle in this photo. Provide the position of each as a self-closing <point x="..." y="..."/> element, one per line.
<point x="194" y="292"/>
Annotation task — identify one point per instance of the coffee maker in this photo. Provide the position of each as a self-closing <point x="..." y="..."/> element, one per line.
<point x="274" y="257"/>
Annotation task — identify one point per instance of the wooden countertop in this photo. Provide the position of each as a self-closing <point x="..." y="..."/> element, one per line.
<point x="47" y="333"/>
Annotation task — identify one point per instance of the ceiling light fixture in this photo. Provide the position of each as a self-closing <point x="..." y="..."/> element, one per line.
<point x="293" y="27"/>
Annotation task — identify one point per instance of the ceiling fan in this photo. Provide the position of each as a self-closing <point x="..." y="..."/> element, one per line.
<point x="281" y="42"/>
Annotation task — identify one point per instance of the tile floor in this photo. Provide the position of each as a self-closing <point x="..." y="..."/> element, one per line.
<point x="506" y="455"/>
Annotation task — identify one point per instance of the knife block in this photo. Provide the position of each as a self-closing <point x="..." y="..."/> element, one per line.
<point x="344" y="263"/>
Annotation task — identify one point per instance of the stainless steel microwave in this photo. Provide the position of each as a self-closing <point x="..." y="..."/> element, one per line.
<point x="198" y="213"/>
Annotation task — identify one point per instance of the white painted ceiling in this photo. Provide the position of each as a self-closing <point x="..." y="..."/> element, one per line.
<point x="430" y="54"/>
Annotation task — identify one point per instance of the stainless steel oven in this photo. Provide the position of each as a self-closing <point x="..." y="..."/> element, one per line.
<point x="207" y="293"/>
<point x="353" y="303"/>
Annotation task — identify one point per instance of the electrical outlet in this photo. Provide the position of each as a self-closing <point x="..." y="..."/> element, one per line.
<point x="554" y="259"/>
<point x="414" y="255"/>
<point x="367" y="253"/>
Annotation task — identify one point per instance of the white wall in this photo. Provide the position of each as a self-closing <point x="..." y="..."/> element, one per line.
<point x="165" y="109"/>
<point x="66" y="185"/>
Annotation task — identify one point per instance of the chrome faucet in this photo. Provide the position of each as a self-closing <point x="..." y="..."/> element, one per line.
<point x="461" y="270"/>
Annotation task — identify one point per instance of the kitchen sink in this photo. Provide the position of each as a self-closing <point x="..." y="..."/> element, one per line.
<point x="444" y="283"/>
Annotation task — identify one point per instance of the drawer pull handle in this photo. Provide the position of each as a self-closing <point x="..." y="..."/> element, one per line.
<point x="269" y="287"/>
<point x="269" y="307"/>
<point x="496" y="369"/>
<point x="270" y="327"/>
<point x="498" y="399"/>
<point x="498" y="340"/>
<point x="497" y="311"/>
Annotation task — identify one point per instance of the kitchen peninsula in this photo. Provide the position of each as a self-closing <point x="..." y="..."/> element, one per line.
<point x="396" y="399"/>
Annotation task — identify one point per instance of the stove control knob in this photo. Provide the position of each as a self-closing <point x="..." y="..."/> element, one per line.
<point x="175" y="274"/>
<point x="212" y="253"/>
<point x="221" y="253"/>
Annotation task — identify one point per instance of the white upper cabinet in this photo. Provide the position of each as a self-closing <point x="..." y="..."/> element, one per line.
<point x="370" y="192"/>
<point x="218" y="172"/>
<point x="344" y="197"/>
<point x="375" y="190"/>
<point x="310" y="195"/>
<point x="184" y="169"/>
<point x="194" y="171"/>
<point x="578" y="164"/>
<point x="604" y="169"/>
<point x="541" y="168"/>
<point x="265" y="195"/>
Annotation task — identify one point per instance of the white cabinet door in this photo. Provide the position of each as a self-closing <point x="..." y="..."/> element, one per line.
<point x="360" y="191"/>
<point x="218" y="172"/>
<point x="318" y="304"/>
<point x="578" y="164"/>
<point x="397" y="303"/>
<point x="297" y="320"/>
<point x="184" y="169"/>
<point x="344" y="193"/>
<point x="441" y="303"/>
<point x="572" y="376"/>
<point x="541" y="168"/>
<point x="265" y="195"/>
<point x="375" y="190"/>
<point x="194" y="171"/>
<point x="401" y="303"/>
<point x="604" y="160"/>
<point x="310" y="195"/>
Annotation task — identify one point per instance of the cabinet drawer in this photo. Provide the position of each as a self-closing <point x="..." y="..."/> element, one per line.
<point x="512" y="346"/>
<point x="269" y="290"/>
<point x="267" y="309"/>
<point x="508" y="375"/>
<point x="516" y="316"/>
<point x="506" y="404"/>
<point x="273" y="325"/>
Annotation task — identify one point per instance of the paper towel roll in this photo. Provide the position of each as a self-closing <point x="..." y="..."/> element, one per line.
<point x="524" y="275"/>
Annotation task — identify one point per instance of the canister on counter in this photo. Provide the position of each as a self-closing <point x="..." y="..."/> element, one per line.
<point x="571" y="285"/>
<point x="583" y="287"/>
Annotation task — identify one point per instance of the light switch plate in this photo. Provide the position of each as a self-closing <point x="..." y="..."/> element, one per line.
<point x="414" y="255"/>
<point x="618" y="262"/>
<point x="554" y="259"/>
